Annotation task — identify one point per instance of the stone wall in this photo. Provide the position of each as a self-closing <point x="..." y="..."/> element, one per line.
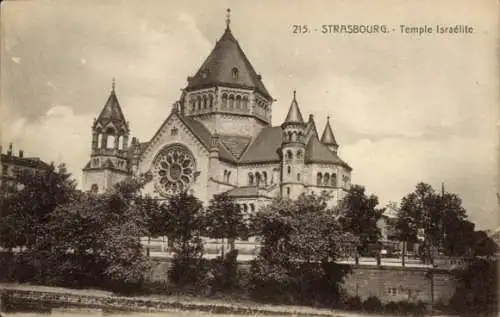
<point x="385" y="282"/>
<point x="400" y="284"/>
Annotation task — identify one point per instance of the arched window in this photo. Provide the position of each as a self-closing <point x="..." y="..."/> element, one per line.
<point x="238" y="102"/>
<point x="225" y="176"/>
<point x="245" y="102"/>
<point x="298" y="177"/>
<point x="326" y="179"/>
<point x="257" y="179"/>
<point x="205" y="103"/>
<point x="250" y="179"/>
<point x="289" y="170"/>
<point x="110" y="140"/>
<point x="94" y="188"/>
<point x="210" y="101"/>
<point x="231" y="101"/>
<point x="245" y="208"/>
<point x="198" y="102"/>
<point x="319" y="179"/>
<point x="289" y="155"/>
<point x="299" y="155"/>
<point x="289" y="136"/>
<point x="294" y="136"/>
<point x="228" y="176"/>
<point x="252" y="207"/>
<point x="224" y="100"/>
<point x="300" y="136"/>
<point x="264" y="176"/>
<point x="99" y="140"/>
<point x="191" y="103"/>
<point x="288" y="191"/>
<point x="334" y="180"/>
<point x="234" y="72"/>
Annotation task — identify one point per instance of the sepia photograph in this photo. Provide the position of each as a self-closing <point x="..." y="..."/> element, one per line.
<point x="249" y="158"/>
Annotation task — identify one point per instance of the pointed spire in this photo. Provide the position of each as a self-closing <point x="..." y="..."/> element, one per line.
<point x="228" y="18"/>
<point x="112" y="112"/>
<point x="328" y="138"/>
<point x="294" y="115"/>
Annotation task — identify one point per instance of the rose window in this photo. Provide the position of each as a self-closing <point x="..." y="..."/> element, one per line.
<point x="174" y="170"/>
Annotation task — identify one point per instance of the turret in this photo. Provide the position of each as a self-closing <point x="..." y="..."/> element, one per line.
<point x="292" y="152"/>
<point x="109" y="148"/>
<point x="328" y="138"/>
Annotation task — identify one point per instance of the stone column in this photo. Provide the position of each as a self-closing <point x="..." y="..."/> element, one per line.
<point x="125" y="142"/>
<point x="104" y="141"/>
<point x="95" y="137"/>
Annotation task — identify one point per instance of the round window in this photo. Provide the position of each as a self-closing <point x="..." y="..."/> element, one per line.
<point x="174" y="169"/>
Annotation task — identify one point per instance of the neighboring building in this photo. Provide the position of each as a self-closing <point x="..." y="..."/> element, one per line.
<point x="13" y="166"/>
<point x="219" y="138"/>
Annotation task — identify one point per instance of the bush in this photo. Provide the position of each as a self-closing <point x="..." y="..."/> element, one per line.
<point x="372" y="304"/>
<point x="188" y="266"/>
<point x="391" y="307"/>
<point x="226" y="271"/>
<point x="404" y="307"/>
<point x="353" y="303"/>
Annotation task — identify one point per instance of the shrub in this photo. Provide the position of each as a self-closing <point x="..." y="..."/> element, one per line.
<point x="188" y="266"/>
<point x="391" y="307"/>
<point x="226" y="271"/>
<point x="353" y="303"/>
<point x="372" y="304"/>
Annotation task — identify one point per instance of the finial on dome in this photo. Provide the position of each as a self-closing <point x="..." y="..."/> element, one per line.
<point x="294" y="94"/>
<point x="228" y="17"/>
<point x="113" y="84"/>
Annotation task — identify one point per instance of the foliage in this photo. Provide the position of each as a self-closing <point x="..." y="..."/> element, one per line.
<point x="372" y="304"/>
<point x="184" y="221"/>
<point x="441" y="218"/>
<point x="226" y="273"/>
<point x="478" y="290"/>
<point x="26" y="209"/>
<point x="359" y="216"/>
<point x="74" y="238"/>
<point x="300" y="241"/>
<point x="223" y="219"/>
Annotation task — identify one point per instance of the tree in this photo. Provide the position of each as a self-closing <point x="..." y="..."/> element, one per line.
<point x="359" y="216"/>
<point x="26" y="209"/>
<point x="301" y="239"/>
<point x="184" y="214"/>
<point x="96" y="237"/>
<point x="440" y="216"/>
<point x="223" y="219"/>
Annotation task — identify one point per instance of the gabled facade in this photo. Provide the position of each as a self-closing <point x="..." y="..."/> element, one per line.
<point x="219" y="138"/>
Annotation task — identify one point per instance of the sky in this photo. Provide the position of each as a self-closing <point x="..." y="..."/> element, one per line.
<point x="405" y="108"/>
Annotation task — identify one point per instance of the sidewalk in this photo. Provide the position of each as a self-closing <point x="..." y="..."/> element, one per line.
<point x="184" y="302"/>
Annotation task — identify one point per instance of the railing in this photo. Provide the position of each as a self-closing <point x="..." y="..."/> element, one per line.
<point x="248" y="250"/>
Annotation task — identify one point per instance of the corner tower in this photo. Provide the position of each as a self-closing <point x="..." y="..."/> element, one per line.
<point x="292" y="152"/>
<point x="328" y="138"/>
<point x="226" y="92"/>
<point x="108" y="163"/>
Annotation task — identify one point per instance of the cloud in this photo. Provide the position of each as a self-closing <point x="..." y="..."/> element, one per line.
<point x="391" y="167"/>
<point x="59" y="136"/>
